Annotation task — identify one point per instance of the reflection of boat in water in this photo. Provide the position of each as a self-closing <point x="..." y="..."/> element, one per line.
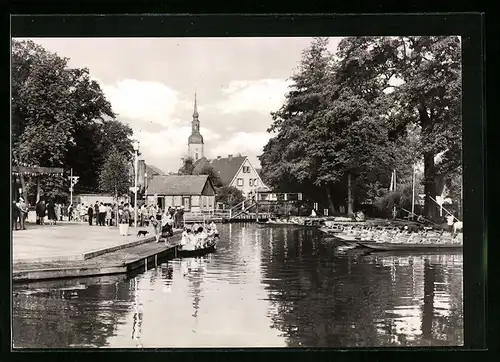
<point x="209" y="248"/>
<point x="408" y="252"/>
<point x="407" y="246"/>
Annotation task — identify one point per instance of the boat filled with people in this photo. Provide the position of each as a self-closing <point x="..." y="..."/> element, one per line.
<point x="198" y="240"/>
<point x="396" y="238"/>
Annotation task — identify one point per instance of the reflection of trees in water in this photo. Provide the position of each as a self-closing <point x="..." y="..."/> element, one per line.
<point x="320" y="298"/>
<point x="65" y="318"/>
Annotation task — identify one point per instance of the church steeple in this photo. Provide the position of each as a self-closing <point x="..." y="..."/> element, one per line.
<point x="195" y="141"/>
<point x="195" y="124"/>
<point x="195" y="113"/>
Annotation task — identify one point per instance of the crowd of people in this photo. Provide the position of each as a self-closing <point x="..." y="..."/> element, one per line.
<point x="198" y="236"/>
<point x="106" y="214"/>
<point x="163" y="221"/>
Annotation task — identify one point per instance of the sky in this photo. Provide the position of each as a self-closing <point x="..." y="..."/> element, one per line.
<point x="151" y="82"/>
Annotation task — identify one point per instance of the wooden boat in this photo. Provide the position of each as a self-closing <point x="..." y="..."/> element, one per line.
<point x="210" y="248"/>
<point x="327" y="230"/>
<point x="408" y="246"/>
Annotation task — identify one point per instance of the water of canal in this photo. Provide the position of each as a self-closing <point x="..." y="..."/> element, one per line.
<point x="264" y="287"/>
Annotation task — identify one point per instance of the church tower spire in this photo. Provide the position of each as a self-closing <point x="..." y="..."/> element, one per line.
<point x="195" y="141"/>
<point x="195" y="113"/>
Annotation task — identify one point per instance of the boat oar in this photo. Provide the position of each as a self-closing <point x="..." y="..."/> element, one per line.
<point x="449" y="213"/>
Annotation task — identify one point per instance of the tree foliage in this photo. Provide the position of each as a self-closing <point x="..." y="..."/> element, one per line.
<point x="114" y="175"/>
<point x="60" y="117"/>
<point x="187" y="166"/>
<point x="229" y="195"/>
<point x="212" y="175"/>
<point x="382" y="103"/>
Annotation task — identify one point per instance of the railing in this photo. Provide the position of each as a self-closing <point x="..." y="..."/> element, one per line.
<point x="241" y="208"/>
<point x="199" y="215"/>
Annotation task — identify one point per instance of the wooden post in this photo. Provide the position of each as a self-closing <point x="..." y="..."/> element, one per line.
<point x="37" y="188"/>
<point x="257" y="211"/>
<point x="23" y="185"/>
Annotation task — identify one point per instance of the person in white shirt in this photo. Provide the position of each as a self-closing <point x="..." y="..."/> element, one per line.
<point x="102" y="214"/>
<point x="201" y="237"/>
<point x="189" y="240"/>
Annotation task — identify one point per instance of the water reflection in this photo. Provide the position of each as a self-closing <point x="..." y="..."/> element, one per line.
<point x="264" y="287"/>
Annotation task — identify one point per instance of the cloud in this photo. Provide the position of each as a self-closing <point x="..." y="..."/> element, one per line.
<point x="247" y="143"/>
<point x="143" y="101"/>
<point x="154" y="112"/>
<point x="263" y="96"/>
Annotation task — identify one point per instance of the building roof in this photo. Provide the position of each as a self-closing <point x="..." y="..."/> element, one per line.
<point x="177" y="185"/>
<point x="227" y="167"/>
<point x="152" y="170"/>
<point x="195" y="138"/>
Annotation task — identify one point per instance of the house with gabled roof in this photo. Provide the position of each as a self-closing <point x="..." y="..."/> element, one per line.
<point x="236" y="171"/>
<point x="194" y="192"/>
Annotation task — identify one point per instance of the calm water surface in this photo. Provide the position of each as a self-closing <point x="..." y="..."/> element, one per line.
<point x="265" y="287"/>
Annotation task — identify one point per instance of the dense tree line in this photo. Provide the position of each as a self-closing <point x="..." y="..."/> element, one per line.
<point x="61" y="118"/>
<point x="378" y="104"/>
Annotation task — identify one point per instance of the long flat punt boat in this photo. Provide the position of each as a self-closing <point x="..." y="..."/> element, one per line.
<point x="408" y="246"/>
<point x="211" y="248"/>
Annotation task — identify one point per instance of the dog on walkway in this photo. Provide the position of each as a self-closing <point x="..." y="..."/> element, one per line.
<point x="142" y="233"/>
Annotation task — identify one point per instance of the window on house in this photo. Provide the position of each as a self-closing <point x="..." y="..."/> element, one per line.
<point x="240" y="182"/>
<point x="196" y="155"/>
<point x="250" y="182"/>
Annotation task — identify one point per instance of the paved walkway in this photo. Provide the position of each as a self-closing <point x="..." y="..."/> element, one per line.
<point x="67" y="241"/>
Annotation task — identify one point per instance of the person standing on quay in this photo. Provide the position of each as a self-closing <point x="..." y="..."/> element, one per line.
<point x="96" y="213"/>
<point x="57" y="207"/>
<point x="15" y="215"/>
<point x="23" y="213"/>
<point x="108" y="214"/>
<point x="40" y="212"/>
<point x="90" y="212"/>
<point x="102" y="214"/>
<point x="70" y="212"/>
<point x="51" y="213"/>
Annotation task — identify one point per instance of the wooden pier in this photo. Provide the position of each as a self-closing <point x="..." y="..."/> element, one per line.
<point x="124" y="260"/>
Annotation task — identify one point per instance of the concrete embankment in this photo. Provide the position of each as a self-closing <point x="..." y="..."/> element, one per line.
<point x="113" y="260"/>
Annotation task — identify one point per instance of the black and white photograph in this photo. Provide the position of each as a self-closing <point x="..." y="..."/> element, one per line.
<point x="237" y="192"/>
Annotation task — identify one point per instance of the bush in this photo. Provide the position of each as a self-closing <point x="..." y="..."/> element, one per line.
<point x="400" y="199"/>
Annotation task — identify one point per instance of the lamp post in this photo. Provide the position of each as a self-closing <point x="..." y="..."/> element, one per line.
<point x="145" y="187"/>
<point x="136" y="151"/>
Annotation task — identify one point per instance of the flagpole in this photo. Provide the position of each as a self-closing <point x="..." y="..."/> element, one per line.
<point x="413" y="194"/>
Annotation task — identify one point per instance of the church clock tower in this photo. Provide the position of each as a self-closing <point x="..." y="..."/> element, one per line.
<point x="195" y="141"/>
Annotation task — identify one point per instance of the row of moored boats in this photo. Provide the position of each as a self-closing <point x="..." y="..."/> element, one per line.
<point x="383" y="238"/>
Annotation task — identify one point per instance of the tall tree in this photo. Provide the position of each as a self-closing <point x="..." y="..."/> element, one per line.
<point x="291" y="155"/>
<point x="58" y="114"/>
<point x="92" y="143"/>
<point x="114" y="175"/>
<point x="424" y="75"/>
